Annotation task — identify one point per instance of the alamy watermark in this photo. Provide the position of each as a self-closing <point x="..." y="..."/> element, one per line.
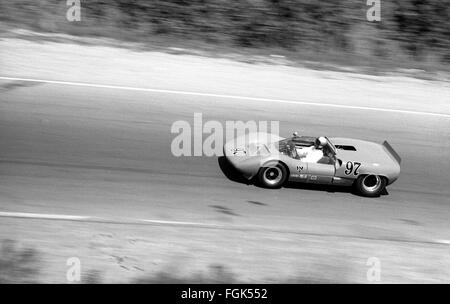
<point x="374" y="272"/>
<point x="206" y="138"/>
<point x="373" y="13"/>
<point x="74" y="11"/>
<point x="73" y="273"/>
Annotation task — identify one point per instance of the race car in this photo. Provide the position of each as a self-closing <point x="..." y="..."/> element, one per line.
<point x="273" y="160"/>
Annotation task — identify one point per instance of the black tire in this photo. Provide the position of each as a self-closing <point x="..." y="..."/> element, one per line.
<point x="272" y="176"/>
<point x="370" y="185"/>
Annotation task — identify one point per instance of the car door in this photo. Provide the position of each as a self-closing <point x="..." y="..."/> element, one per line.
<point x="298" y="170"/>
<point x="320" y="173"/>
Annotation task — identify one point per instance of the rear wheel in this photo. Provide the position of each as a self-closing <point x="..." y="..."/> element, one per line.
<point x="370" y="185"/>
<point x="272" y="176"/>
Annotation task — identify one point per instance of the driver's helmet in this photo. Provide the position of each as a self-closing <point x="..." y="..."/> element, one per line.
<point x="320" y="142"/>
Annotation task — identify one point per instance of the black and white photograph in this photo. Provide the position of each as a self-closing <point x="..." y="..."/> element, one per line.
<point x="193" y="142"/>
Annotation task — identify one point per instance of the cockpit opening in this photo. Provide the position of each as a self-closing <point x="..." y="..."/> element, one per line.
<point x="308" y="149"/>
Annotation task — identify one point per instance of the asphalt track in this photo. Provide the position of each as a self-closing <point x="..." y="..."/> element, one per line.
<point x="105" y="152"/>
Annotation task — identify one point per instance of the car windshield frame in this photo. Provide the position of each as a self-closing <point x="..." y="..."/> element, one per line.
<point x="333" y="148"/>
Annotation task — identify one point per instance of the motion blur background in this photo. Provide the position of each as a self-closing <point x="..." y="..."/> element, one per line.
<point x="86" y="109"/>
<point x="413" y="33"/>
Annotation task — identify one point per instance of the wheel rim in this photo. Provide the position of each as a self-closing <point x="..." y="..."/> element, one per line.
<point x="371" y="183"/>
<point x="273" y="175"/>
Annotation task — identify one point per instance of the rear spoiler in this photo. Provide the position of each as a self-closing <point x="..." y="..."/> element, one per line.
<point x="392" y="152"/>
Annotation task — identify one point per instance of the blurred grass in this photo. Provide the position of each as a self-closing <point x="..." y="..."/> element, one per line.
<point x="21" y="265"/>
<point x="412" y="33"/>
<point x="219" y="274"/>
<point x="216" y="274"/>
<point x="18" y="265"/>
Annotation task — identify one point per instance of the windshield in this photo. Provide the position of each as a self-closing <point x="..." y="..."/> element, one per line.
<point x="332" y="147"/>
<point x="329" y="152"/>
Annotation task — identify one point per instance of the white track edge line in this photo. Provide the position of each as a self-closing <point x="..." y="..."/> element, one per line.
<point x="285" y="101"/>
<point x="44" y="216"/>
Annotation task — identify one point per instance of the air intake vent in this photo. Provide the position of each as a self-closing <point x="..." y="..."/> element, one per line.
<point x="346" y="148"/>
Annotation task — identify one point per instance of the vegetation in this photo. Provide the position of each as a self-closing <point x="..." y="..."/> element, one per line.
<point x="415" y="30"/>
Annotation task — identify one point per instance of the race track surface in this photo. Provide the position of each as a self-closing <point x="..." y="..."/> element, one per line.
<point x="99" y="152"/>
<point x="90" y="151"/>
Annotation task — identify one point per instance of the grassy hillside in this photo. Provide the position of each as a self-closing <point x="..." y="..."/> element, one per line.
<point x="410" y="30"/>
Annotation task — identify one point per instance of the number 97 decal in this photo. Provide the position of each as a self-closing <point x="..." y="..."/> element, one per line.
<point x="352" y="167"/>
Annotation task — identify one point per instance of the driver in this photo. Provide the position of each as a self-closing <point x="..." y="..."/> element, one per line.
<point x="314" y="153"/>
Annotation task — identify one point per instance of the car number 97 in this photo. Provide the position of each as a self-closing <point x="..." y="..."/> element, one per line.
<point x="352" y="167"/>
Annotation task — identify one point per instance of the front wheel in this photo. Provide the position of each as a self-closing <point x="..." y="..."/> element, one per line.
<point x="370" y="185"/>
<point x="272" y="176"/>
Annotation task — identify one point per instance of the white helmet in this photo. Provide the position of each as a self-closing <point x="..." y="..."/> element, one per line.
<point x="321" y="141"/>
